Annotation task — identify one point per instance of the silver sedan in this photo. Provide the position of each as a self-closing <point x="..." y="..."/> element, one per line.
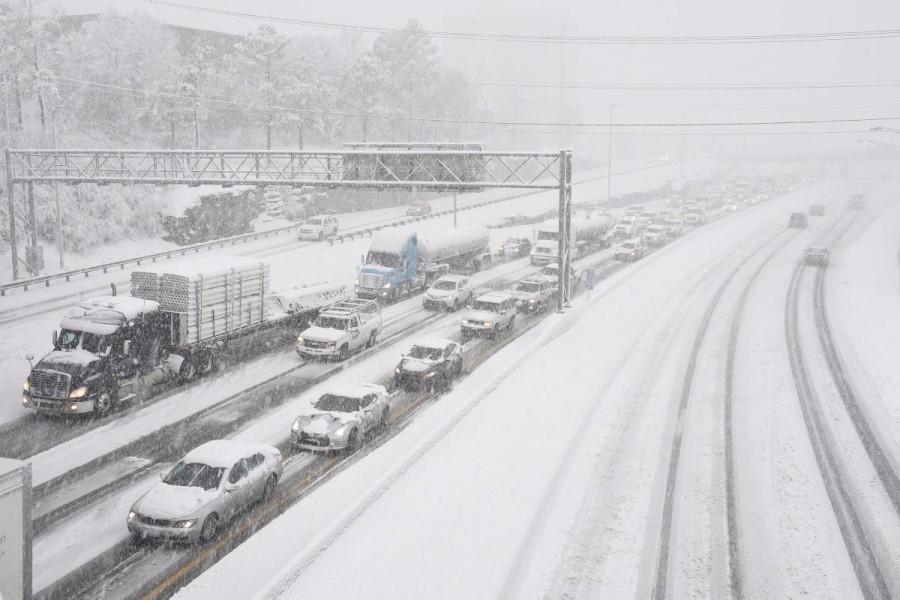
<point x="205" y="490"/>
<point x="342" y="418"/>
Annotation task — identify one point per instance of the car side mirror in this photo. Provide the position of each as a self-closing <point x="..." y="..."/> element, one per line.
<point x="162" y="475"/>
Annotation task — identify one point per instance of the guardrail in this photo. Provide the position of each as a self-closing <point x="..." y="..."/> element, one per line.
<point x="84" y="272"/>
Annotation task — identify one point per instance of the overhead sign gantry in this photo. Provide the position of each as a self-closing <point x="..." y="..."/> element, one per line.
<point x="433" y="167"/>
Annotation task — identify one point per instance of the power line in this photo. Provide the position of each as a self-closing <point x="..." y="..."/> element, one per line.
<point x="692" y="87"/>
<point x="833" y="36"/>
<point x="588" y="124"/>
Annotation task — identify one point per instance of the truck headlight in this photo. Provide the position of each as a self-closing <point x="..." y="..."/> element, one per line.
<point x="185" y="524"/>
<point x="27" y="385"/>
<point x="79" y="392"/>
<point x="488" y="323"/>
<point x="296" y="426"/>
<point x="429" y="375"/>
<point x="132" y="516"/>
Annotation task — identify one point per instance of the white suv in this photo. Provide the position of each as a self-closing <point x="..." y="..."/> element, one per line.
<point x="449" y="292"/>
<point x="489" y="315"/>
<point x="318" y="228"/>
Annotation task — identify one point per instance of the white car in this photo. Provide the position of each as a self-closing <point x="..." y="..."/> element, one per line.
<point x="318" y="228"/>
<point x="342" y="418"/>
<point x="489" y="315"/>
<point x="205" y="490"/>
<point x="448" y="292"/>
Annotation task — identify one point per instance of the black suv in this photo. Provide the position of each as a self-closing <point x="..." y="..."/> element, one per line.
<point x="798" y="220"/>
<point x="430" y="365"/>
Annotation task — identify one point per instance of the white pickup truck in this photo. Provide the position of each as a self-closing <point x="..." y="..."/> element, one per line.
<point x="341" y="329"/>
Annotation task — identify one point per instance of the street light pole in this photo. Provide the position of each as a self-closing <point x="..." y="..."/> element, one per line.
<point x="609" y="151"/>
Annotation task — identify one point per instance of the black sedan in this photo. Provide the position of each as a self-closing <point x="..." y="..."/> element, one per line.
<point x="430" y="365"/>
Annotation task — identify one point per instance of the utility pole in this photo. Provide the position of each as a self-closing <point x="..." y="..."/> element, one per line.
<point x="682" y="145"/>
<point x="562" y="87"/>
<point x="609" y="157"/>
<point x="59" y="235"/>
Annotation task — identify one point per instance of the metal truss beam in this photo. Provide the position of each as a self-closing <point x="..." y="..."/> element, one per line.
<point x="423" y="170"/>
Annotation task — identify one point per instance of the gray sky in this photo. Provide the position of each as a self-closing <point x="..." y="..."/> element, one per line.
<point x="867" y="60"/>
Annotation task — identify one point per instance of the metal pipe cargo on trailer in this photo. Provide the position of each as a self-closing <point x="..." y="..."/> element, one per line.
<point x="177" y="324"/>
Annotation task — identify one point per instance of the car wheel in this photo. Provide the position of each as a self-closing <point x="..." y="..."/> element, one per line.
<point x="371" y="342"/>
<point x="353" y="442"/>
<point x="321" y="235"/>
<point x="459" y="368"/>
<point x="210" y="527"/>
<point x="345" y="352"/>
<point x="269" y="490"/>
<point x="103" y="404"/>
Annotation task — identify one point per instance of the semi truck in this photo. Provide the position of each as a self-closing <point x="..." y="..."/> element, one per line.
<point x="402" y="262"/>
<point x="589" y="233"/>
<point x="176" y="325"/>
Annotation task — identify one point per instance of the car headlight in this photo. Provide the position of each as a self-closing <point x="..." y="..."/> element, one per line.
<point x="488" y="323"/>
<point x="79" y="392"/>
<point x="387" y="285"/>
<point x="300" y="340"/>
<point x="132" y="516"/>
<point x="397" y="370"/>
<point x="341" y="432"/>
<point x="27" y="385"/>
<point x="185" y="524"/>
<point x="296" y="426"/>
<point x="429" y="375"/>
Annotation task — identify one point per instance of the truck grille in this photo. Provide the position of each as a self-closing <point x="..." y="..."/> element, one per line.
<point x="50" y="384"/>
<point x="315" y="344"/>
<point x="370" y="280"/>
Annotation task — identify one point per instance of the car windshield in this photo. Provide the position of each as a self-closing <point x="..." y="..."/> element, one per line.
<point x="195" y="475"/>
<point x="385" y="259"/>
<point x="70" y="339"/>
<point x="332" y="323"/>
<point x="314" y="222"/>
<point x="487" y="306"/>
<point x="529" y="287"/>
<point x="333" y="403"/>
<point x="444" y="285"/>
<point x="424" y="352"/>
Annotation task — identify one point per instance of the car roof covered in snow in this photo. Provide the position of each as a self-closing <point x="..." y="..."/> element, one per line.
<point x="493" y="297"/>
<point x="434" y="342"/>
<point x="224" y="453"/>
<point x="355" y="390"/>
<point x="450" y="277"/>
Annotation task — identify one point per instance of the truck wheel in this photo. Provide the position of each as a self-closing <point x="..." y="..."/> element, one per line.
<point x="188" y="369"/>
<point x="345" y="352"/>
<point x="206" y="363"/>
<point x="371" y="341"/>
<point x="103" y="404"/>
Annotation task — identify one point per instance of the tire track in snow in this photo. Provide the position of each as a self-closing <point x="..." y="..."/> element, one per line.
<point x="865" y="563"/>
<point x="660" y="581"/>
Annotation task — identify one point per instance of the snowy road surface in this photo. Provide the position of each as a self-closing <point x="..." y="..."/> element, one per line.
<point x="544" y="473"/>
